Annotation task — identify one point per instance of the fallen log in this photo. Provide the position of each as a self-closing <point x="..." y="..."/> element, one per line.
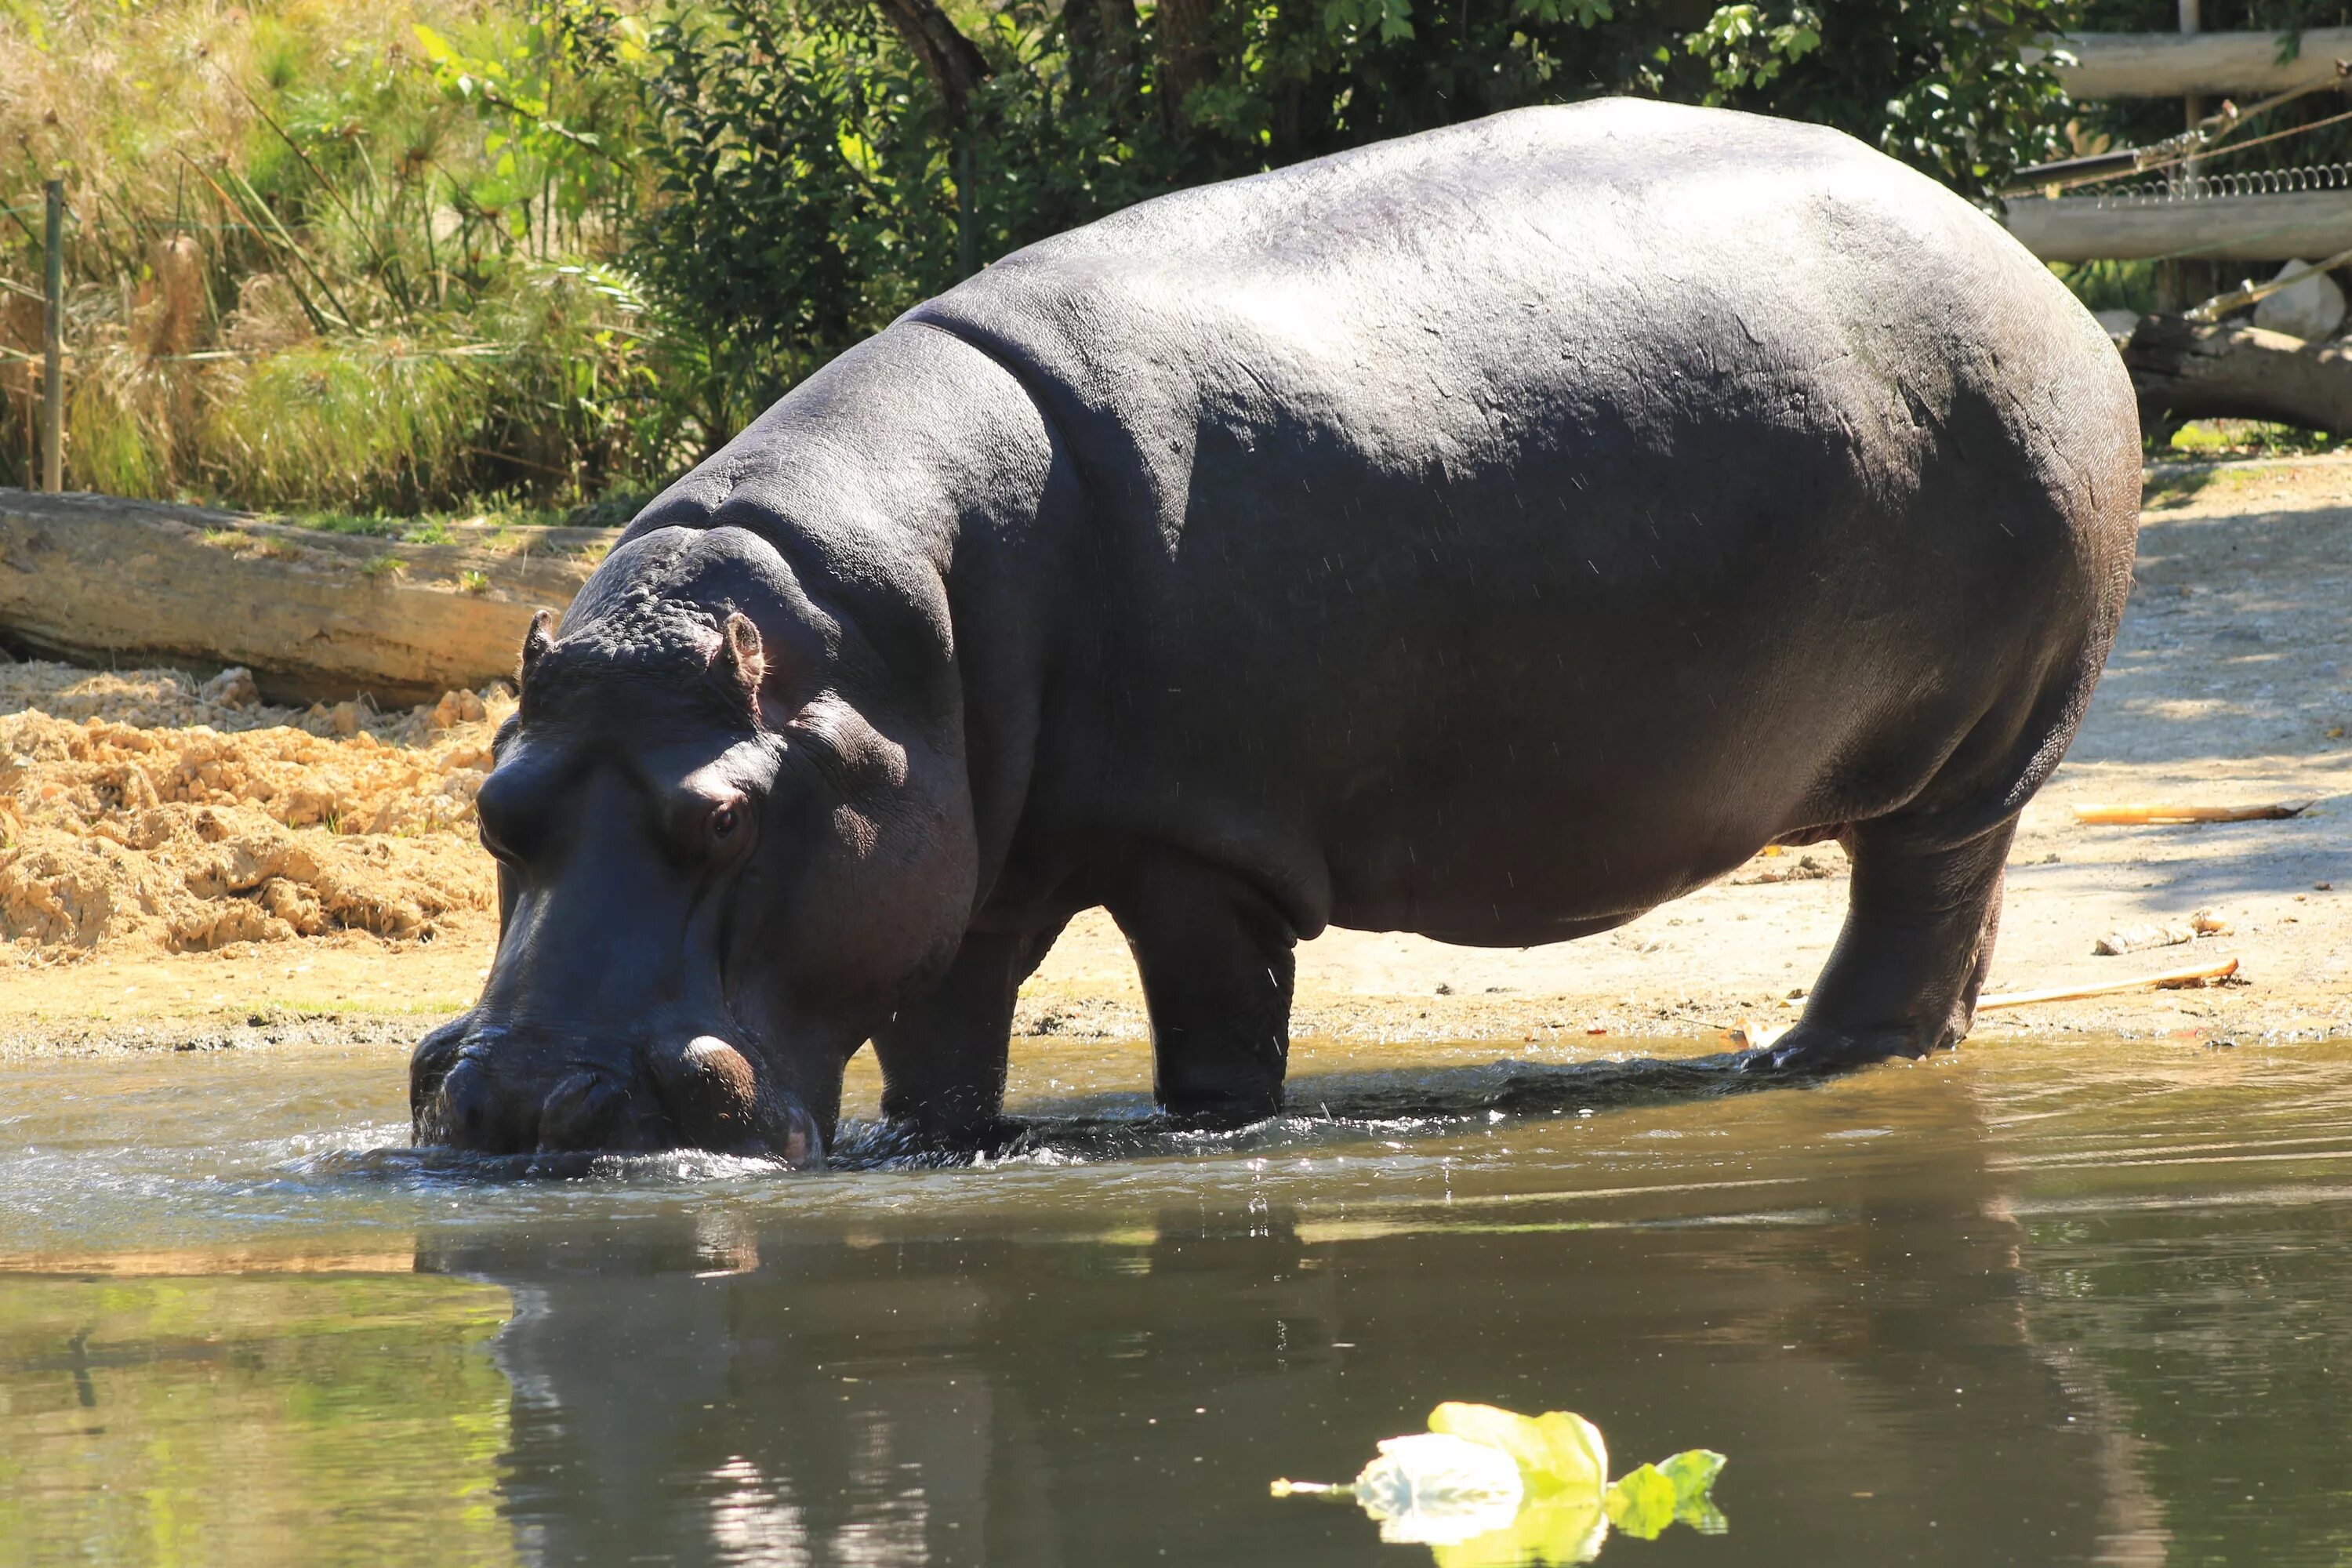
<point x="2189" y="370"/>
<point x="316" y="616"/>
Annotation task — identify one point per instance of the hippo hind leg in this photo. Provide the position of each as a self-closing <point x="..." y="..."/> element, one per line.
<point x="1903" y="977"/>
<point x="1214" y="955"/>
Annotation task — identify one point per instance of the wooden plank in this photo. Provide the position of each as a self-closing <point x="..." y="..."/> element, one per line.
<point x="2304" y="223"/>
<point x="316" y="616"/>
<point x="2178" y="65"/>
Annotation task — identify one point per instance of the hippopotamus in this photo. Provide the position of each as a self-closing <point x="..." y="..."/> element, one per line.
<point x="1492" y="534"/>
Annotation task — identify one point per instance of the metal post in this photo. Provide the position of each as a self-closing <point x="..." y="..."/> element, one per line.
<point x="2180" y="283"/>
<point x="2192" y="22"/>
<point x="53" y="355"/>
<point x="967" y="240"/>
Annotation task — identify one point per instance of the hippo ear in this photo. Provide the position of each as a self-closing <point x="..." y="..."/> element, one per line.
<point x="742" y="657"/>
<point x="536" y="641"/>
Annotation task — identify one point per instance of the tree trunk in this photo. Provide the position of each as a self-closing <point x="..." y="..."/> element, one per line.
<point x="2187" y="370"/>
<point x="316" y="616"/>
<point x="1187" y="55"/>
<point x="1101" y="35"/>
<point x="952" y="61"/>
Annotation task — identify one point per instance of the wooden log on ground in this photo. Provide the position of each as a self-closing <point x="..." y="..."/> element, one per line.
<point x="2189" y="370"/>
<point x="316" y="616"/>
<point x="2185" y="65"/>
<point x="2304" y="224"/>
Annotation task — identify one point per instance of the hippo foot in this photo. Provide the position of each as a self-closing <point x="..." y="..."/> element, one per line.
<point x="1223" y="1115"/>
<point x="926" y="1141"/>
<point x="1813" y="1050"/>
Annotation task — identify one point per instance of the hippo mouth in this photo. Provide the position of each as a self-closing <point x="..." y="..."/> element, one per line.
<point x="488" y="1089"/>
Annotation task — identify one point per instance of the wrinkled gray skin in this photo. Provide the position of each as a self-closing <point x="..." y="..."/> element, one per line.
<point x="1491" y="534"/>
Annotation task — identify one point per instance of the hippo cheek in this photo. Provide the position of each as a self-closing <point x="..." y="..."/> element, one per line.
<point x="717" y="1102"/>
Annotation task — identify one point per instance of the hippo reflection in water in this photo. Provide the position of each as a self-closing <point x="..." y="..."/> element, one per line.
<point x="1491" y="534"/>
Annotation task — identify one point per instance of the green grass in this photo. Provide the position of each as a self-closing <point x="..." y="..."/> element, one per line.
<point x="432" y="527"/>
<point x="2245" y="439"/>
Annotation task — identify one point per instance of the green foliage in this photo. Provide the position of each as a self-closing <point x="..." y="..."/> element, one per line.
<point x="811" y="177"/>
<point x="1940" y="84"/>
<point x="406" y="255"/>
<point x="2111" y="285"/>
<point x="805" y="197"/>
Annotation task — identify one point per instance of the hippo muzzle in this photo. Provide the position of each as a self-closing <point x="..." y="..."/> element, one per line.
<point x="489" y="1088"/>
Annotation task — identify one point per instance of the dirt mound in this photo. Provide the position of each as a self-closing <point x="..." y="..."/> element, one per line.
<point x="142" y="809"/>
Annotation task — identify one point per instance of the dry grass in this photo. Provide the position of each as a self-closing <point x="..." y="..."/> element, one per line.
<point x="303" y="272"/>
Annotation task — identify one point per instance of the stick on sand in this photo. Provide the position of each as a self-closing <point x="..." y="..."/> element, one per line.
<point x="2192" y="976"/>
<point x="2145" y="815"/>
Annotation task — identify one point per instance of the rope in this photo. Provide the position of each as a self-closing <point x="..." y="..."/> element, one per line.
<point x="2224" y="152"/>
<point x="2206" y="139"/>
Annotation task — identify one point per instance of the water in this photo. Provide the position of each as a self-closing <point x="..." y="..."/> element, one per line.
<point x="2047" y="1303"/>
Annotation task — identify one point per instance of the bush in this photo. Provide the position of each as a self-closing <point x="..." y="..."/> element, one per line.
<point x="814" y="178"/>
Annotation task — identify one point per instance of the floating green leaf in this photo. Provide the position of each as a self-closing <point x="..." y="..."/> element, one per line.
<point x="1693" y="1472"/>
<point x="1642" y="1502"/>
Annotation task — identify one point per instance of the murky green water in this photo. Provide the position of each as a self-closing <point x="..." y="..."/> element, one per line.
<point x="2044" y="1303"/>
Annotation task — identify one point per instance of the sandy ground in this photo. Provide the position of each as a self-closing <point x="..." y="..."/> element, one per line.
<point x="2228" y="686"/>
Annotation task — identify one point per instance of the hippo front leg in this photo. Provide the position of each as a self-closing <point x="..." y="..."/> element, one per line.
<point x="1216" y="963"/>
<point x="943" y="1056"/>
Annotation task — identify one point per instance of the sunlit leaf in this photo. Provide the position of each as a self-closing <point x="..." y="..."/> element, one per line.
<point x="1557" y="1451"/>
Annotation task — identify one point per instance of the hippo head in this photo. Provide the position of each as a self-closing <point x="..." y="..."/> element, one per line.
<point x="732" y="833"/>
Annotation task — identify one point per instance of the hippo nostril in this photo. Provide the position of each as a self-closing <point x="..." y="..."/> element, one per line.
<point x="462" y="1113"/>
<point x="579" y="1112"/>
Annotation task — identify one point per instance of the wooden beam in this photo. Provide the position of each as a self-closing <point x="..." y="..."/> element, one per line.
<point x="2181" y="65"/>
<point x="2222" y="228"/>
